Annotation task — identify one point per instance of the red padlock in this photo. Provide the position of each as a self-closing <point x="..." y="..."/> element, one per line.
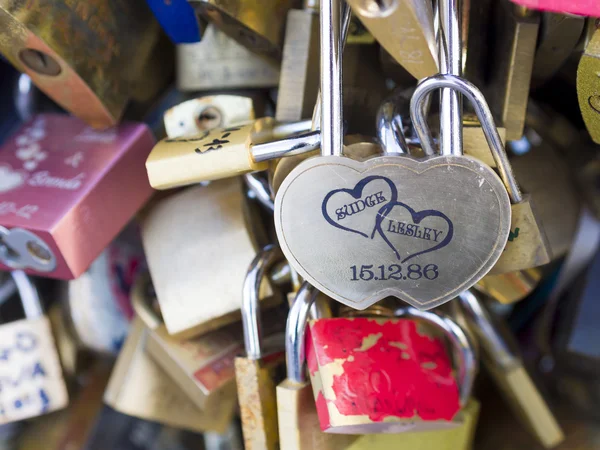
<point x="580" y="7"/>
<point x="388" y="375"/>
<point x="66" y="190"/>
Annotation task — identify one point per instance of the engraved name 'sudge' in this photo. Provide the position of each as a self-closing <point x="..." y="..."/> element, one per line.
<point x="360" y="205"/>
<point x="416" y="231"/>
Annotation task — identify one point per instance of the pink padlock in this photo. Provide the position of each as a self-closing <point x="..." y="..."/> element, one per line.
<point x="579" y="7"/>
<point x="66" y="190"/>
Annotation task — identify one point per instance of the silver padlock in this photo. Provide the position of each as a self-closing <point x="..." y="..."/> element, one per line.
<point x="31" y="379"/>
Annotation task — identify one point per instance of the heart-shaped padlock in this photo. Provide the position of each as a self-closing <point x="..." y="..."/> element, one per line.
<point x="421" y="230"/>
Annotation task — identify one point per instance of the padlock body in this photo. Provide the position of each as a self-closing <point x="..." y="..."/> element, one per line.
<point x="87" y="46"/>
<point x="219" y="62"/>
<point x="587" y="86"/>
<point x="578" y="7"/>
<point x="69" y="189"/>
<point x="373" y="376"/>
<point x="31" y="377"/>
<point x="139" y="387"/>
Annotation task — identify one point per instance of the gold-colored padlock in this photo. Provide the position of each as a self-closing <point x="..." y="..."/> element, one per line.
<point x="197" y="247"/>
<point x="91" y="57"/>
<point x="258" y="372"/>
<point x="510" y="287"/>
<point x="588" y="91"/>
<point x="256" y="24"/>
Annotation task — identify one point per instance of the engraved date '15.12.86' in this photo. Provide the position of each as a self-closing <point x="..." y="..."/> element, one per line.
<point x="369" y="272"/>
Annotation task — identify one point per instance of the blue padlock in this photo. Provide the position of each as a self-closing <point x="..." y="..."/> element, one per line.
<point x="178" y="19"/>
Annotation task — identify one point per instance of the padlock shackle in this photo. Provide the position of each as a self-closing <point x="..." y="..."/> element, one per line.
<point x="251" y="322"/>
<point x="141" y="304"/>
<point x="30" y="297"/>
<point x="390" y="129"/>
<point x="260" y="190"/>
<point x="463" y="348"/>
<point x="480" y="322"/>
<point x="477" y="100"/>
<point x="295" y="331"/>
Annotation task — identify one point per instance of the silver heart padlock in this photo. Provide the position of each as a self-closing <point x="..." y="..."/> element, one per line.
<point x="421" y="230"/>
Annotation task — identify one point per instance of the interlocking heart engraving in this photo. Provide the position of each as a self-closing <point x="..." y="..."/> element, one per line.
<point x="421" y="230"/>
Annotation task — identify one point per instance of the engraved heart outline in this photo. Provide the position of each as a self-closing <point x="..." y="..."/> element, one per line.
<point x="417" y="217"/>
<point x="317" y="276"/>
<point x="356" y="193"/>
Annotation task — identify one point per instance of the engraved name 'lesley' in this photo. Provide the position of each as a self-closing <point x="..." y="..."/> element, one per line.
<point x="411" y="230"/>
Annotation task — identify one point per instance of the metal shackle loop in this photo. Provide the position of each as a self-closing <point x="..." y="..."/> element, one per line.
<point x="463" y="348"/>
<point x="390" y="129"/>
<point x="250" y="299"/>
<point x="477" y="100"/>
<point x="295" y="331"/>
<point x="475" y="313"/>
<point x="141" y="303"/>
<point x="30" y="297"/>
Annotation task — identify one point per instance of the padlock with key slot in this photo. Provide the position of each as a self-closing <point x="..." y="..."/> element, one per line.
<point x="139" y="387"/>
<point x="87" y="79"/>
<point x="259" y="371"/>
<point x="508" y="371"/>
<point x="405" y="29"/>
<point x="198" y="260"/>
<point x="526" y="244"/>
<point x="588" y="92"/>
<point x="392" y="224"/>
<point x="222" y="152"/>
<point x="201" y="366"/>
<point x="219" y="62"/>
<point x="510" y="71"/>
<point x="58" y="182"/>
<point x="178" y="19"/>
<point x="296" y="412"/>
<point x="259" y="26"/>
<point x="195" y="116"/>
<point x="351" y="362"/>
<point x="577" y="7"/>
<point x="32" y="380"/>
<point x="459" y="438"/>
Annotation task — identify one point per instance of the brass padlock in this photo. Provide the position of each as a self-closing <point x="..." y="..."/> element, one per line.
<point x="508" y="371"/>
<point x="198" y="259"/>
<point x="32" y="382"/>
<point x="587" y="86"/>
<point x="219" y="62"/>
<point x="202" y="366"/>
<point x="258" y="373"/>
<point x="351" y="362"/>
<point x="257" y="25"/>
<point x="510" y="287"/>
<point x="296" y="412"/>
<point x="76" y="53"/>
<point x="139" y="387"/>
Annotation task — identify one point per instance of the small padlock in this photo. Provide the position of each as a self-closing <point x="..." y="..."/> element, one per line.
<point x="532" y="249"/>
<point x="198" y="259"/>
<point x="587" y="86"/>
<point x="58" y="182"/>
<point x="195" y="116"/>
<point x="510" y="71"/>
<point x="405" y="29"/>
<point x="201" y="366"/>
<point x="509" y="372"/>
<point x="510" y="287"/>
<point x="178" y="19"/>
<point x="352" y="361"/>
<point x="257" y="26"/>
<point x="577" y="7"/>
<point x="221" y="153"/>
<point x="32" y="380"/>
<point x="296" y="412"/>
<point x="219" y="62"/>
<point x="260" y="371"/>
<point x="75" y="52"/>
<point x="139" y="387"/>
<point x="459" y="438"/>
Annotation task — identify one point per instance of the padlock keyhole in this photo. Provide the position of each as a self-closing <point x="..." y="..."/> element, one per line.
<point x="39" y="62"/>
<point x="209" y="118"/>
<point x="38" y="252"/>
<point x="377" y="8"/>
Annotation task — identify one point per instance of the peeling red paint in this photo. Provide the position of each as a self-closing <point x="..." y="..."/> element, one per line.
<point x="387" y="379"/>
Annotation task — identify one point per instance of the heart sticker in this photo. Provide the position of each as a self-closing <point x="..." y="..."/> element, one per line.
<point x="10" y="179"/>
<point x="355" y="210"/>
<point x="420" y="230"/>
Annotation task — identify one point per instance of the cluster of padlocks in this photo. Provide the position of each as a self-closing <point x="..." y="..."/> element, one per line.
<point x="285" y="224"/>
